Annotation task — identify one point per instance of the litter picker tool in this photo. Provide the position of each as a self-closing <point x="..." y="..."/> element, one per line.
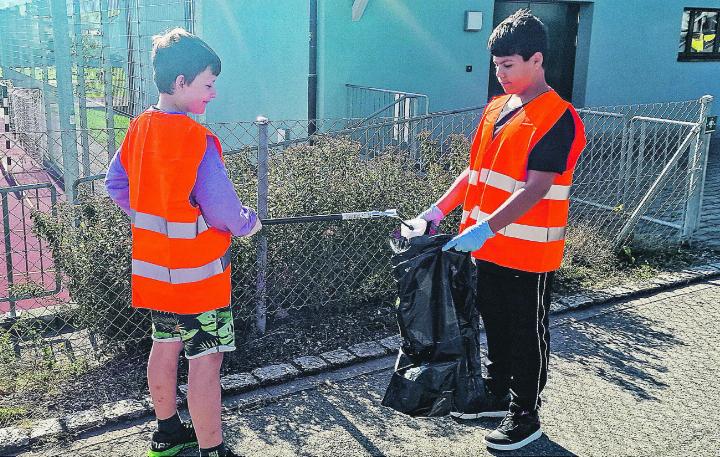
<point x="391" y="213"/>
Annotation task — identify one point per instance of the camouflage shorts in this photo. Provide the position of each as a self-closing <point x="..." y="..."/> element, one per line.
<point x="204" y="333"/>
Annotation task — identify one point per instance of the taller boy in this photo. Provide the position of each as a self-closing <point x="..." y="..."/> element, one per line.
<point x="515" y="199"/>
<point x="169" y="177"/>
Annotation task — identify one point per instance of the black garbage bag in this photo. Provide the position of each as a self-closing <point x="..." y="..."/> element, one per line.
<point x="424" y="389"/>
<point x="432" y="287"/>
<point x="469" y="392"/>
<point x="439" y="366"/>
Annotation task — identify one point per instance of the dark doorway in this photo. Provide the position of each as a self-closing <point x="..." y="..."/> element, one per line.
<point x="561" y="20"/>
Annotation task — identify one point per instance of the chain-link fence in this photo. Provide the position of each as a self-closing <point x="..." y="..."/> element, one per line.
<point x="67" y="265"/>
<point x="80" y="69"/>
<point x="642" y="172"/>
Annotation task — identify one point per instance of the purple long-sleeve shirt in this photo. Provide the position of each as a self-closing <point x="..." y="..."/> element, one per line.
<point x="213" y="193"/>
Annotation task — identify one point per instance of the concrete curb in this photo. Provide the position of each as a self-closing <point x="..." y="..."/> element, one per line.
<point x="267" y="383"/>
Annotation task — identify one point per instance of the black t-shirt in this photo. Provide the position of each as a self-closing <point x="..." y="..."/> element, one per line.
<point x="552" y="151"/>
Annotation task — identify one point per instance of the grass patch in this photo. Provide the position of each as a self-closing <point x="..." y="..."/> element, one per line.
<point x="97" y="126"/>
<point x="96" y="119"/>
<point x="11" y="414"/>
<point x="591" y="263"/>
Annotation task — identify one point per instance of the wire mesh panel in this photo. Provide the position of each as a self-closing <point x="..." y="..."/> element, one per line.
<point x="67" y="265"/>
<point x="106" y="69"/>
<point x="634" y="171"/>
<point x="28" y="118"/>
<point x="28" y="271"/>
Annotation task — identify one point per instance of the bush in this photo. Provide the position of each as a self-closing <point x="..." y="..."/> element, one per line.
<point x="91" y="243"/>
<point x="324" y="268"/>
<point x="344" y="263"/>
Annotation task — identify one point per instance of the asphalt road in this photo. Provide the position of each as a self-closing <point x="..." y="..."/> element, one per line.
<point x="636" y="378"/>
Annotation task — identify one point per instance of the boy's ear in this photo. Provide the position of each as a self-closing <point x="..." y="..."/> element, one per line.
<point x="179" y="81"/>
<point x="537" y="59"/>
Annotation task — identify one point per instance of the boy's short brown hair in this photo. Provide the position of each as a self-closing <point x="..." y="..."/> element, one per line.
<point x="179" y="52"/>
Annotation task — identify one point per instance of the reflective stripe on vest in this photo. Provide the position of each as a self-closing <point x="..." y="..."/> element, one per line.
<point x="521" y="231"/>
<point x="508" y="184"/>
<point x="184" y="230"/>
<point x="180" y="275"/>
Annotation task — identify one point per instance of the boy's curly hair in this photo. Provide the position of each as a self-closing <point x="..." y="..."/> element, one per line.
<point x="179" y="52"/>
<point x="521" y="33"/>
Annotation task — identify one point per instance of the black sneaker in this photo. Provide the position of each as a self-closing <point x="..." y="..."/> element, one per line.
<point x="226" y="453"/>
<point x="491" y="405"/>
<point x="166" y="445"/>
<point x="519" y="428"/>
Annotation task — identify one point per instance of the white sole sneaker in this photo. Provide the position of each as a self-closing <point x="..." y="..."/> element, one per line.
<point x="518" y="445"/>
<point x="470" y="416"/>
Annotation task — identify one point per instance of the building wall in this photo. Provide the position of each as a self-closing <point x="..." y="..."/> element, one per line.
<point x="409" y="45"/>
<point x="627" y="54"/>
<point x="264" y="50"/>
<point x="633" y="55"/>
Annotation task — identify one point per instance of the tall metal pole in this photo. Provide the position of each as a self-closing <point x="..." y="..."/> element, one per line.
<point x="262" y="213"/>
<point x="312" y="69"/>
<point x="66" y="103"/>
<point x="82" y="96"/>
<point x="107" y="78"/>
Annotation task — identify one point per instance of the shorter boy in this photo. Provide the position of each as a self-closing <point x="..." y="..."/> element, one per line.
<point x="169" y="177"/>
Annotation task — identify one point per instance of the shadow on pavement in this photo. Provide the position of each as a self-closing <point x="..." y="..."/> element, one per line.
<point x="542" y="447"/>
<point x="621" y="347"/>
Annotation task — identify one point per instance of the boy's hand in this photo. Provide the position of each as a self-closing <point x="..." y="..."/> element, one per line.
<point x="256" y="228"/>
<point x="432" y="214"/>
<point x="471" y="239"/>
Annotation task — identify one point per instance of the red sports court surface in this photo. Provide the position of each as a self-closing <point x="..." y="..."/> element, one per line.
<point x="32" y="264"/>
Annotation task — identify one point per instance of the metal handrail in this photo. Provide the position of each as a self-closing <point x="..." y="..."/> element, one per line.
<point x="386" y="91"/>
<point x="399" y="96"/>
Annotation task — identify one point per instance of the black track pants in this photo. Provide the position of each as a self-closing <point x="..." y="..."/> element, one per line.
<point x="514" y="306"/>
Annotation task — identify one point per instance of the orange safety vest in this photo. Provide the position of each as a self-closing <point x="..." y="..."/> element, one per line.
<point x="498" y="168"/>
<point x="179" y="263"/>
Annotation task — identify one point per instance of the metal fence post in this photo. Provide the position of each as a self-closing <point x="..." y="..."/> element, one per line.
<point x="697" y="164"/>
<point x="410" y="126"/>
<point x="4" y="64"/>
<point x="66" y="104"/>
<point x="625" y="160"/>
<point x="107" y="79"/>
<point x="262" y="213"/>
<point x="43" y="36"/>
<point x="133" y="65"/>
<point x="82" y="97"/>
<point x="8" y="252"/>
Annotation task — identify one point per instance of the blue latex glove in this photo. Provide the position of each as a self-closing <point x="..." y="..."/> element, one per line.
<point x="471" y="239"/>
<point x="432" y="214"/>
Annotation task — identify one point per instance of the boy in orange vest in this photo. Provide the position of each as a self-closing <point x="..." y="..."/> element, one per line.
<point x="169" y="177"/>
<point x="515" y="198"/>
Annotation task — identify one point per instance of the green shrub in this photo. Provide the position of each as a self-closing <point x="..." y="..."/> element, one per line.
<point x="91" y="243"/>
<point x="322" y="267"/>
<point x="328" y="267"/>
